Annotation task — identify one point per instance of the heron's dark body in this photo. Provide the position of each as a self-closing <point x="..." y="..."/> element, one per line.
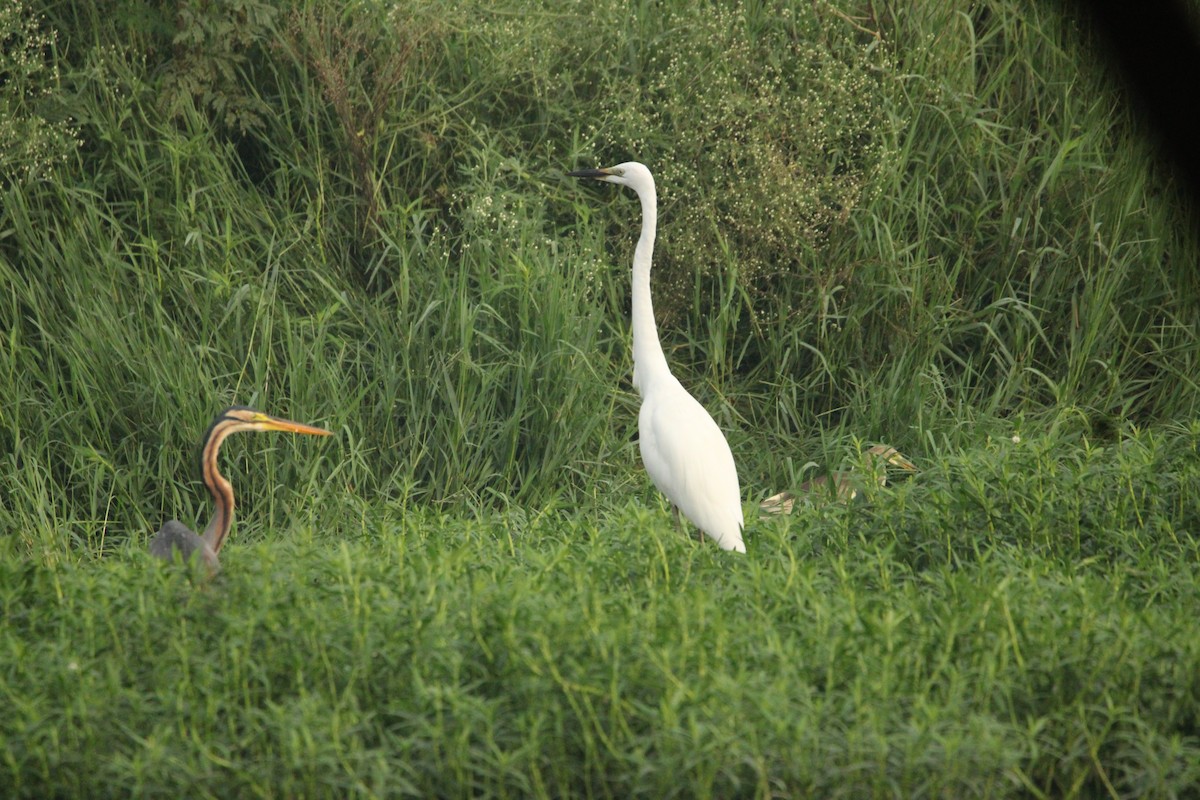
<point x="175" y="540"/>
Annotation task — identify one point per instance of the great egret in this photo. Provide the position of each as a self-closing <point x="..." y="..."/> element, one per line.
<point x="845" y="484"/>
<point x="176" y="540"/>
<point x="684" y="451"/>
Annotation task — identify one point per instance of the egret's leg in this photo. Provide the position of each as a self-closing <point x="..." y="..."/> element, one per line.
<point x="682" y="526"/>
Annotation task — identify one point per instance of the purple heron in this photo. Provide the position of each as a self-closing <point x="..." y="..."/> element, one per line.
<point x="176" y="540"/>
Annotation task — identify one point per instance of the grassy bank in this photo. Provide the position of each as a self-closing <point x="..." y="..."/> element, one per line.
<point x="1027" y="640"/>
<point x="939" y="229"/>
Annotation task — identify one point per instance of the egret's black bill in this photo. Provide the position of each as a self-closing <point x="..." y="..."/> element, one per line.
<point x="588" y="173"/>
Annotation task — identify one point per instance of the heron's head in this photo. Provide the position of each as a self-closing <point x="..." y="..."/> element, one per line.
<point x="244" y="418"/>
<point x="631" y="173"/>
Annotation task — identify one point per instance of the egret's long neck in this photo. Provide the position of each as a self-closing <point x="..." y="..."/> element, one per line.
<point x="648" y="358"/>
<point x="218" y="487"/>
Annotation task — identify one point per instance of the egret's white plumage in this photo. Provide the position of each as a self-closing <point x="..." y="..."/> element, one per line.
<point x="684" y="451"/>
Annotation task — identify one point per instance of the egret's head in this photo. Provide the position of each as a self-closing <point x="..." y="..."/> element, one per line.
<point x="631" y="173"/>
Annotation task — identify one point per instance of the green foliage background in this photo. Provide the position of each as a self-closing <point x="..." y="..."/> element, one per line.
<point x="934" y="225"/>
<point x="883" y="226"/>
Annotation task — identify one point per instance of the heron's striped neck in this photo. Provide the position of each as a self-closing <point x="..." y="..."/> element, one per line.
<point x="218" y="487"/>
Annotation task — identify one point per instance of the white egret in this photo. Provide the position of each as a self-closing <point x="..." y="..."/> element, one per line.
<point x="176" y="540"/>
<point x="684" y="451"/>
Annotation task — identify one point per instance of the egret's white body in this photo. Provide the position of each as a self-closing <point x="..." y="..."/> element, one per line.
<point x="683" y="450"/>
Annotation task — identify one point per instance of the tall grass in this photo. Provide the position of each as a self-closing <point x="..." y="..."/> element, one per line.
<point x="936" y="227"/>
<point x="1004" y="245"/>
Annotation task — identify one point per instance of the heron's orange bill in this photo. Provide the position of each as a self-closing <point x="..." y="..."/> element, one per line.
<point x="277" y="424"/>
<point x="903" y="463"/>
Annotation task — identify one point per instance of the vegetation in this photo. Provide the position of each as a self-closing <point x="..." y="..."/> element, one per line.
<point x="937" y="227"/>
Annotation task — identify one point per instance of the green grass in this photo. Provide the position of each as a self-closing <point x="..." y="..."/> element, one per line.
<point x="1027" y="640"/>
<point x="936" y="228"/>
